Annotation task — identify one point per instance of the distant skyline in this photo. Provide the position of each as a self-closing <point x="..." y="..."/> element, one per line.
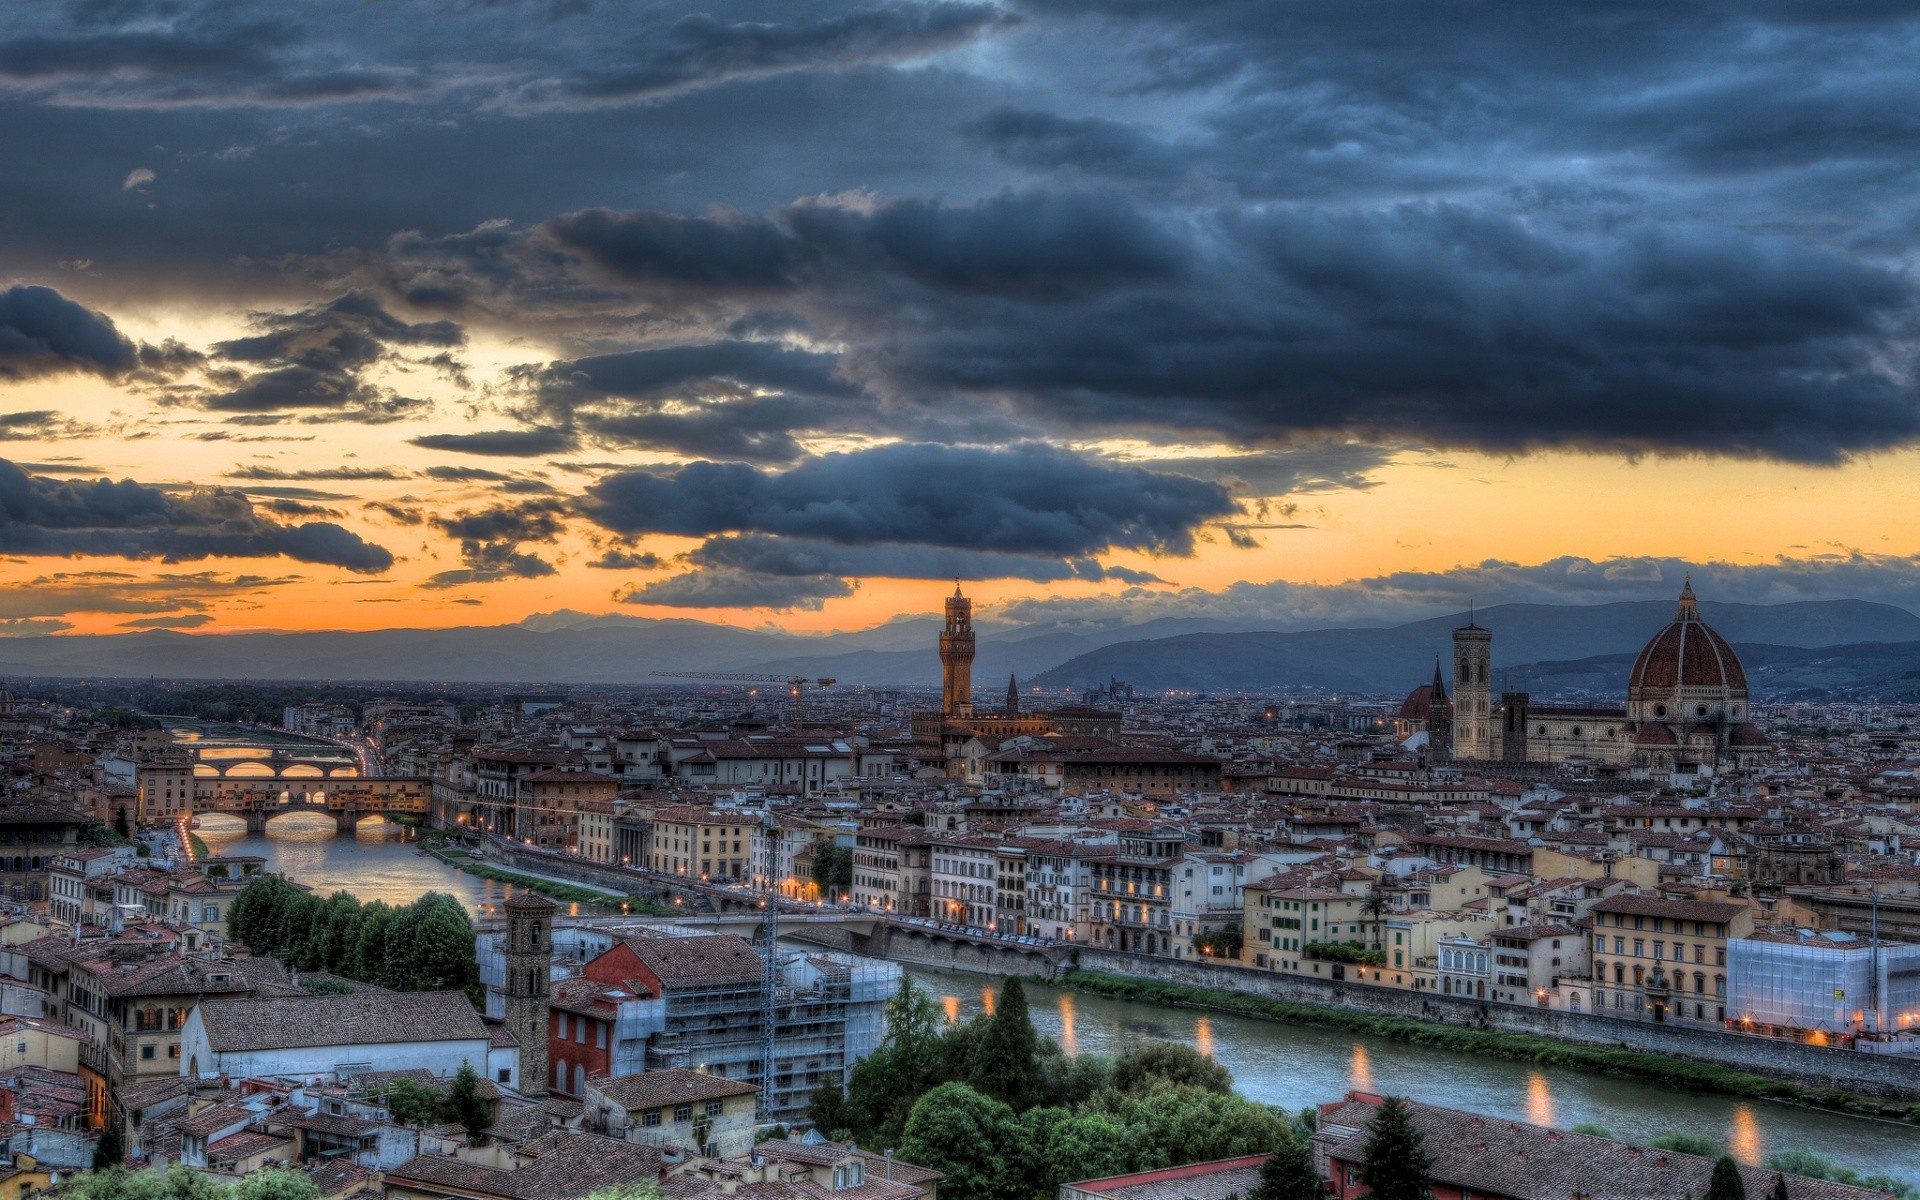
<point x="319" y="316"/>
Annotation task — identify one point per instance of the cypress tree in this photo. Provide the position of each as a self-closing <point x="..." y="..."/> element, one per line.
<point x="467" y="1105"/>
<point x="1726" y="1183"/>
<point x="1004" y="1063"/>
<point x="1394" y="1166"/>
<point x="1289" y="1175"/>
<point x="1780" y="1187"/>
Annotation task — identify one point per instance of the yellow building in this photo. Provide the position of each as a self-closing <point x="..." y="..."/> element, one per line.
<point x="1664" y="960"/>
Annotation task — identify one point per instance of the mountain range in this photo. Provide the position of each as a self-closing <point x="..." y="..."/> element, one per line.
<point x="1832" y="644"/>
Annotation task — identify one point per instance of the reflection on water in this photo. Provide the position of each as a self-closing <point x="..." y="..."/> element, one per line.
<point x="1292" y="1068"/>
<point x="377" y="862"/>
<point x="987" y="1000"/>
<point x="1744" y="1140"/>
<point x="1539" y="1100"/>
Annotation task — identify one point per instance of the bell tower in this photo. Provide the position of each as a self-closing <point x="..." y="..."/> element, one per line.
<point x="1472" y="692"/>
<point x="529" y="970"/>
<point x="956" y="657"/>
<point x="1439" y="720"/>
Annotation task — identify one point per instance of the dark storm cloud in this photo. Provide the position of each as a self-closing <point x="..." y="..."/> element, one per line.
<point x="505" y="443"/>
<point x="314" y="359"/>
<point x="189" y="621"/>
<point x="40" y="516"/>
<point x="727" y="588"/>
<point x="764" y="555"/>
<point x="701" y="50"/>
<point x="1027" y="499"/>
<point x="1436" y="321"/>
<point x="733" y="400"/>
<point x="490" y="541"/>
<point x="43" y="332"/>
<point x="1094" y="145"/>
<point x="616" y="559"/>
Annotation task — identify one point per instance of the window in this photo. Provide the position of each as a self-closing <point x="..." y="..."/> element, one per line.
<point x="683" y="1112"/>
<point x="146" y="1052"/>
<point x="713" y="1108"/>
<point x="650" y="1118"/>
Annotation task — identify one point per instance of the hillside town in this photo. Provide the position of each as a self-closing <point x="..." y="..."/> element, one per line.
<point x="1696" y="863"/>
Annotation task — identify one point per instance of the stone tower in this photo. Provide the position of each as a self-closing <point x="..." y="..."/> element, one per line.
<point x="1472" y="693"/>
<point x="1013" y="696"/>
<point x="529" y="968"/>
<point x="956" y="657"/>
<point x="1439" y="720"/>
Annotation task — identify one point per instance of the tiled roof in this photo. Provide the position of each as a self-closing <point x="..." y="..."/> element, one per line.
<point x="704" y="961"/>
<point x="676" y="1085"/>
<point x="364" y="1018"/>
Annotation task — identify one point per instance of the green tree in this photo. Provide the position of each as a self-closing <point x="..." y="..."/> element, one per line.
<point x="1070" y="1080"/>
<point x="1394" y="1166"/>
<point x="1083" y="1147"/>
<point x="1592" y="1129"/>
<point x="1726" y="1183"/>
<point x="120" y="824"/>
<point x="174" y="1183"/>
<point x="414" y="1104"/>
<point x="466" y="1105"/>
<point x="1376" y="906"/>
<point x="1002" y="1064"/>
<point x="1168" y="1124"/>
<point x="1780" y="1187"/>
<point x="275" y="1185"/>
<point x="1288" y="1174"/>
<point x="1688" y="1143"/>
<point x="1172" y="1062"/>
<point x="443" y="957"/>
<point x="827" y="1109"/>
<point x="370" y="947"/>
<point x="111" y="1149"/>
<point x="967" y="1137"/>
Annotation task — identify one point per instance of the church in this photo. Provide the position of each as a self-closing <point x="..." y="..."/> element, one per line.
<point x="1686" y="710"/>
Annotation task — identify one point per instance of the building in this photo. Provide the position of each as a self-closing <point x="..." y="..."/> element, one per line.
<point x="1664" y="960"/>
<point x="938" y="737"/>
<point x="1222" y="1179"/>
<point x="529" y="973"/>
<point x="1811" y="986"/>
<point x="1687" y="708"/>
<point x="311" y="1037"/>
<point x="675" y="1109"/>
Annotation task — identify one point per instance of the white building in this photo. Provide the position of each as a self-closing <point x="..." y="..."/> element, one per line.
<point x="319" y="1037"/>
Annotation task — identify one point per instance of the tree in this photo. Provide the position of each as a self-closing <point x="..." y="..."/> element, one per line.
<point x="443" y="957"/>
<point x="1376" y="906"/>
<point x="1591" y="1129"/>
<point x="1083" y="1147"/>
<point x="1288" y="1174"/>
<point x="827" y="1109"/>
<point x="1688" y="1143"/>
<point x="120" y="825"/>
<point x="466" y="1105"/>
<point x="1070" y="1080"/>
<point x="275" y="1185"/>
<point x="412" y="1104"/>
<point x="1394" y="1166"/>
<point x="111" y="1149"/>
<point x="1726" y="1183"/>
<point x="1779" y="1187"/>
<point x="1002" y="1064"/>
<point x="1168" y="1124"/>
<point x="370" y="948"/>
<point x="1172" y="1062"/>
<point x="965" y="1136"/>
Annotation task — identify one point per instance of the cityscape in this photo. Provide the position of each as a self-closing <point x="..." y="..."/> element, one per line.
<point x="959" y="600"/>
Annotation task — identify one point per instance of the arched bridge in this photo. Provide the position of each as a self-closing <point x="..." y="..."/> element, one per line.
<point x="258" y="800"/>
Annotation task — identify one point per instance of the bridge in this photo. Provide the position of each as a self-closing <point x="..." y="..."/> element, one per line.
<point x="279" y="763"/>
<point x="257" y="799"/>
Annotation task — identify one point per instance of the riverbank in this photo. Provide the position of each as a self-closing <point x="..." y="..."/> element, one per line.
<point x="1516" y="1047"/>
<point x="552" y="889"/>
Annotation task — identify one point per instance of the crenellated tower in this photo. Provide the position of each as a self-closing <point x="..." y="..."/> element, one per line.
<point x="956" y="657"/>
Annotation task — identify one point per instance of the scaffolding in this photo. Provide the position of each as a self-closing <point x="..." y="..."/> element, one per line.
<point x="1828" y="983"/>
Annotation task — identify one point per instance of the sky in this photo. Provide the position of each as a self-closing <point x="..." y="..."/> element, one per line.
<point x="355" y="314"/>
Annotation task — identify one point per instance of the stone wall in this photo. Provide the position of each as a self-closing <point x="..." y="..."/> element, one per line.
<point x="1869" y="1074"/>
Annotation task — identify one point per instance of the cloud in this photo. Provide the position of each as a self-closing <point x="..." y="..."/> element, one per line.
<point x="799" y="557"/>
<point x="43" y="333"/>
<point x="139" y="177"/>
<point x="189" y="621"/>
<point x="47" y="517"/>
<point x="314" y="359"/>
<point x="504" y="443"/>
<point x="29" y="627"/>
<point x="702" y="51"/>
<point x="1025" y="499"/>
<point x="490" y="541"/>
<point x="615" y="559"/>
<point x="725" y="588"/>
<point x="316" y="473"/>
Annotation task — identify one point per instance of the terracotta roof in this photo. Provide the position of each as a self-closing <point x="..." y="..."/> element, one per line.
<point x="1716" y="911"/>
<point x="705" y="961"/>
<point x="675" y="1085"/>
<point x="363" y="1018"/>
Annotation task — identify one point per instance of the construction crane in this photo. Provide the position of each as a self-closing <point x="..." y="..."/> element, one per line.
<point x="797" y="686"/>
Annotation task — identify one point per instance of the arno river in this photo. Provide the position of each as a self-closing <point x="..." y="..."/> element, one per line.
<point x="1276" y="1064"/>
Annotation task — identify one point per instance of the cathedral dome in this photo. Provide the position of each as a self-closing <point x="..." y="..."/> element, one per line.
<point x="1686" y="656"/>
<point x="1418" y="704"/>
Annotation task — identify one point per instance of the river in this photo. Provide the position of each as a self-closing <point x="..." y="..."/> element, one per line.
<point x="1276" y="1064"/>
